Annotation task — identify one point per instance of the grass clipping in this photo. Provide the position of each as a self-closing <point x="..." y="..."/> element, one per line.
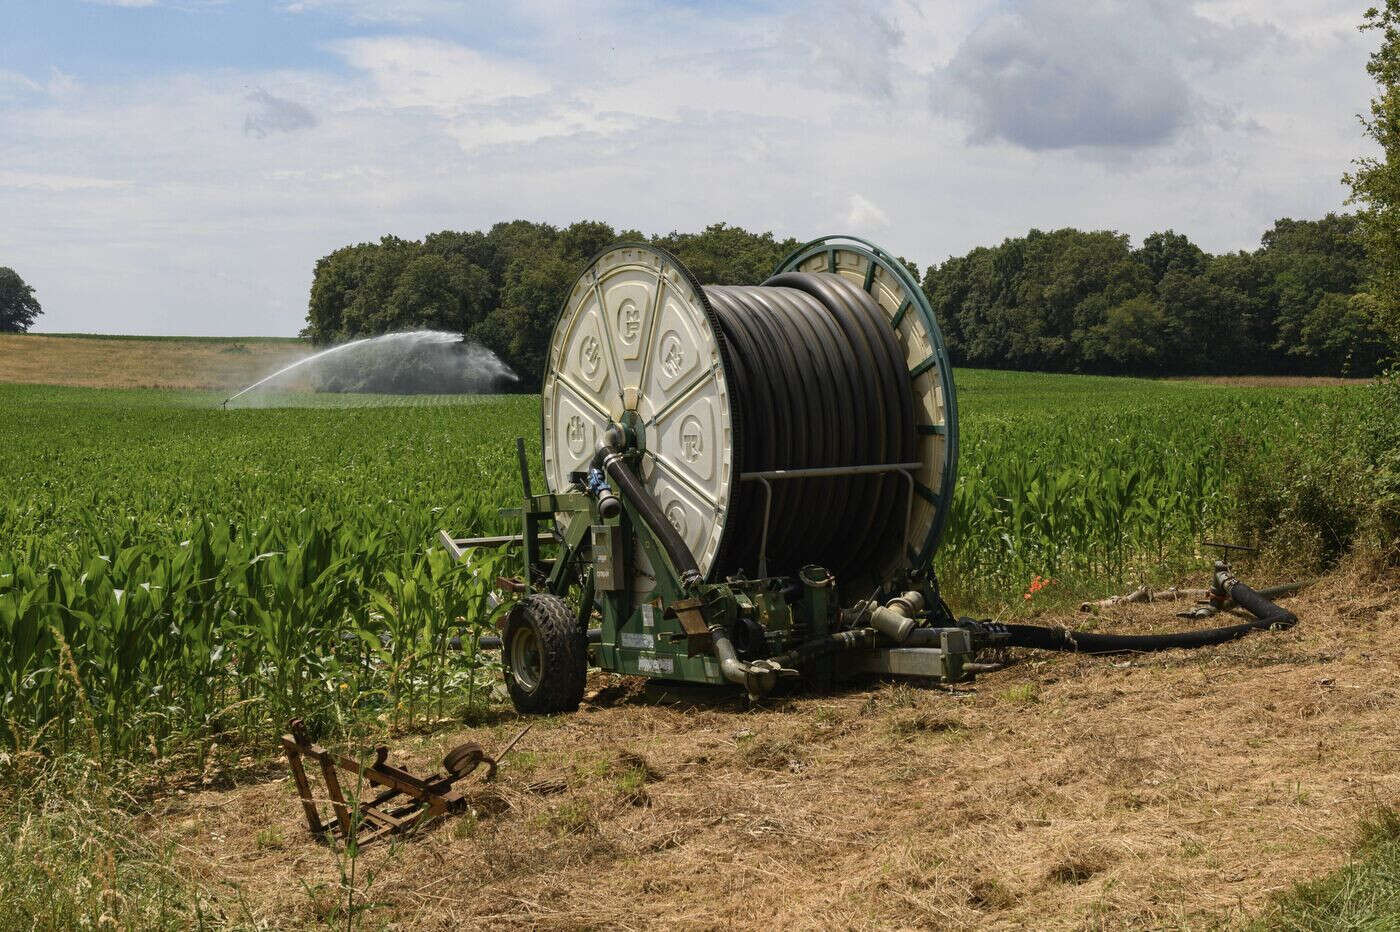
<point x="1177" y="789"/>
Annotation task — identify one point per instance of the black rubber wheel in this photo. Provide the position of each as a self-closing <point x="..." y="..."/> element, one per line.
<point x="544" y="656"/>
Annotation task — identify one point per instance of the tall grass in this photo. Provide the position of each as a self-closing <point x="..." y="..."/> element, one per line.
<point x="1364" y="894"/>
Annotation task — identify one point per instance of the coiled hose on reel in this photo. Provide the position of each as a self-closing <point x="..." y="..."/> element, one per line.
<point x="820" y="380"/>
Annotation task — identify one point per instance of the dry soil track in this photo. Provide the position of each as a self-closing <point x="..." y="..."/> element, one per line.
<point x="1064" y="792"/>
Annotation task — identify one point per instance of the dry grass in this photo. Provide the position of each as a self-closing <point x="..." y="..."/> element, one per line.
<point x="1178" y="790"/>
<point x="105" y="362"/>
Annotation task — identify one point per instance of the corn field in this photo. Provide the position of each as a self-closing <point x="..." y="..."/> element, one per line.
<point x="172" y="573"/>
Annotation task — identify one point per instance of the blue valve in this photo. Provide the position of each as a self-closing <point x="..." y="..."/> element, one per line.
<point x="597" y="486"/>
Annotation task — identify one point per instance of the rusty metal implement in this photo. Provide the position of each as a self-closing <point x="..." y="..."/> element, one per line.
<point x="405" y="801"/>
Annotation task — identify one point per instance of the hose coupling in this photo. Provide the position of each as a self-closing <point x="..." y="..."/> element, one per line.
<point x="896" y="619"/>
<point x="1223" y="584"/>
<point x="597" y="485"/>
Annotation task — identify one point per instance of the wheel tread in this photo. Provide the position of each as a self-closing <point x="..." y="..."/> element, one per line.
<point x="563" y="655"/>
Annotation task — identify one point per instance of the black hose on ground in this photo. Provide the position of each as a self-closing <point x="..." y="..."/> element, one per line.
<point x="1266" y="615"/>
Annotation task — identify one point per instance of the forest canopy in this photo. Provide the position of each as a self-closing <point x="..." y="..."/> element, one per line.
<point x="1066" y="300"/>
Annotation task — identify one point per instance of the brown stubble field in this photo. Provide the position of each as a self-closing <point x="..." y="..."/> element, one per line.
<point x="1166" y="791"/>
<point x="134" y="362"/>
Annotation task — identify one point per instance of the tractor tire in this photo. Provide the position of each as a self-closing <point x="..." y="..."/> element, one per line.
<point x="544" y="656"/>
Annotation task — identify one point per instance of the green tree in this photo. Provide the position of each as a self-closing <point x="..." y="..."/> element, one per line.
<point x="1340" y="335"/>
<point x="1170" y="251"/>
<point x="439" y="292"/>
<point x="1309" y="260"/>
<point x="581" y="241"/>
<point x="1130" y="336"/>
<point x="18" y="306"/>
<point x="532" y="295"/>
<point x="1375" y="182"/>
<point x="1034" y="301"/>
<point x="332" y="289"/>
<point x="721" y="254"/>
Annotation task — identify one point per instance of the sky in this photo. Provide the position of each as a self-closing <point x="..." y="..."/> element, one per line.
<point x="178" y="166"/>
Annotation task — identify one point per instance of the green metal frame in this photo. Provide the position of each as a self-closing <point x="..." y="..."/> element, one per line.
<point x="639" y="636"/>
<point x="917" y="301"/>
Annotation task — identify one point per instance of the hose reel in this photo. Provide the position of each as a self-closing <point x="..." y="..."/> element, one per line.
<point x="719" y="457"/>
<point x="834" y="365"/>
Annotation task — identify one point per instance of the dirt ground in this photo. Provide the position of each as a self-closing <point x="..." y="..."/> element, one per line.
<point x="1164" y="791"/>
<point x="132" y="362"/>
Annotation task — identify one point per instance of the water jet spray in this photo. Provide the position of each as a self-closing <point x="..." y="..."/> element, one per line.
<point x="407" y="340"/>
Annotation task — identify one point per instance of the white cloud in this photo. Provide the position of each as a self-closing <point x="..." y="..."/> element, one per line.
<point x="122" y="3"/>
<point x="14" y="85"/>
<point x="864" y="216"/>
<point x="272" y="114"/>
<point x="1044" y="76"/>
<point x="410" y="71"/>
<point x="48" y="181"/>
<point x="400" y="12"/>
<point x="850" y="44"/>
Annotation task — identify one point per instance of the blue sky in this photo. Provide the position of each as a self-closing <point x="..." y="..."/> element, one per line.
<point x="177" y="166"/>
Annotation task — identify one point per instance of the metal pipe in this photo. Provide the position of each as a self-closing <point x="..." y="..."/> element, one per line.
<point x="650" y="513"/>
<point x="818" y="472"/>
<point x="895" y="620"/>
<point x="758" y="678"/>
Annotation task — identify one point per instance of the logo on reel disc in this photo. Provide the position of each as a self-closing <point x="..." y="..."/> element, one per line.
<point x="675" y="513"/>
<point x="672" y="356"/>
<point x="629" y="321"/>
<point x="574" y="434"/>
<point x="590" y="355"/>
<point x="692" y="441"/>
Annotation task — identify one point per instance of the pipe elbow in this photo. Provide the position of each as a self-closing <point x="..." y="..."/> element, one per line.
<point x="758" y="678"/>
<point x="896" y="620"/>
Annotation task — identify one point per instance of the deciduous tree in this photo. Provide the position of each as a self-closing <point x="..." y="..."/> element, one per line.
<point x="18" y="306"/>
<point x="1375" y="182"/>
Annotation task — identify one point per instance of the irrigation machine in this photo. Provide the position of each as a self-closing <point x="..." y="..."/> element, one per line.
<point x="747" y="484"/>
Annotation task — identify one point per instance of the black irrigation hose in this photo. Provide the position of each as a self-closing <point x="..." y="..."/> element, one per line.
<point x="819" y="379"/>
<point x="631" y="488"/>
<point x="1267" y="615"/>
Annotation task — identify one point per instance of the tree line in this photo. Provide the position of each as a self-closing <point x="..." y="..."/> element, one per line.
<point x="1076" y="301"/>
<point x="503" y="287"/>
<point x="18" y="306"/>
<point x="1066" y="300"/>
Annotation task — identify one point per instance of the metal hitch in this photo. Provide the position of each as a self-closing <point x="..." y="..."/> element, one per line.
<point x="404" y="802"/>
